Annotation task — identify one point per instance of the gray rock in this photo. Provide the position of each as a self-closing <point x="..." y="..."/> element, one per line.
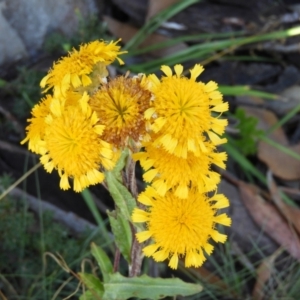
<point x="25" y="24"/>
<point x="11" y="46"/>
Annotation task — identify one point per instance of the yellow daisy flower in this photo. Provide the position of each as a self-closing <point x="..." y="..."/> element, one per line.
<point x="120" y="105"/>
<point x="180" y="227"/>
<point x="183" y="110"/>
<point x="82" y="66"/>
<point x="36" y="129"/>
<point x="72" y="144"/>
<point x="167" y="171"/>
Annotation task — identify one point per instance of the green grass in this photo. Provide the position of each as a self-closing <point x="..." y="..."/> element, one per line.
<point x="25" y="237"/>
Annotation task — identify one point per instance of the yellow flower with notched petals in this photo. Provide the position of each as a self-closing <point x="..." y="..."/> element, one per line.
<point x="167" y="171"/>
<point x="182" y="111"/>
<point x="79" y="68"/>
<point x="180" y="227"/>
<point x="72" y="144"/>
<point x="120" y="105"/>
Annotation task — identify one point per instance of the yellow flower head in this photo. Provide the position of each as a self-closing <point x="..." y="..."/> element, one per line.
<point x="80" y="67"/>
<point x="180" y="227"/>
<point x="36" y="129"/>
<point x="120" y="105"/>
<point x="72" y="144"/>
<point x="182" y="111"/>
<point x="167" y="171"/>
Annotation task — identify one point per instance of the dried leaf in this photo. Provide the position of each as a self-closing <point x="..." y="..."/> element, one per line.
<point x="156" y="6"/>
<point x="292" y="214"/>
<point x="264" y="272"/>
<point x="281" y="164"/>
<point x="269" y="219"/>
<point x="126" y="32"/>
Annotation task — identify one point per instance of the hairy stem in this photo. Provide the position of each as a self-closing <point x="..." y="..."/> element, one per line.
<point x="136" y="248"/>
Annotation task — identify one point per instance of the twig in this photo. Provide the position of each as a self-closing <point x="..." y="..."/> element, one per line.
<point x="73" y="222"/>
<point x="13" y="148"/>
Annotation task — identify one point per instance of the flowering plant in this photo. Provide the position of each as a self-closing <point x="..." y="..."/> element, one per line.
<point x="93" y="129"/>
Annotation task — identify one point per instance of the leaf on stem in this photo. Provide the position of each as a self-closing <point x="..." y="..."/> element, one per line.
<point x="103" y="261"/>
<point x="144" y="287"/>
<point x="93" y="284"/>
<point x="122" y="197"/>
<point x="122" y="233"/>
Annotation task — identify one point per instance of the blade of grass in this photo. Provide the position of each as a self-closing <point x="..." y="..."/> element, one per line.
<point x="23" y="177"/>
<point x="243" y="162"/>
<point x="88" y="198"/>
<point x="199" y="50"/>
<point x="239" y="90"/>
<point x="285" y="119"/>
<point x="156" y="21"/>
<point x="186" y="38"/>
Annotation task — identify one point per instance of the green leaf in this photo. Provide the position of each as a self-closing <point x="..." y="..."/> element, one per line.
<point x="93" y="284"/>
<point x="248" y="133"/>
<point x="120" y="164"/>
<point x="123" y="199"/>
<point x="103" y="260"/>
<point x="87" y="295"/>
<point x="145" y="287"/>
<point x="122" y="232"/>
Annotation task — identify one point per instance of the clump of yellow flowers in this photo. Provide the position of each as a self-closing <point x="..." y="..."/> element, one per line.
<point x="171" y="125"/>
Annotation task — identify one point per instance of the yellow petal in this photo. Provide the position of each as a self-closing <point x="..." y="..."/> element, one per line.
<point x="149" y="250"/>
<point x="210" y="87"/>
<point x="221" y="201"/>
<point x="178" y="70"/>
<point x="196" y="71"/>
<point x="64" y="182"/>
<point x="173" y="263"/>
<point x="143" y="236"/>
<point x="139" y="216"/>
<point x="208" y="248"/>
<point x="221" y="107"/>
<point x="99" y="129"/>
<point x="149" y="112"/>
<point x="77" y="185"/>
<point x="218" y="125"/>
<point x="55" y="107"/>
<point x="149" y="175"/>
<point x="144" y="199"/>
<point x="44" y="81"/>
<point x="167" y="70"/>
<point x="223" y="219"/>
<point x="182" y="192"/>
<point x="94" y="176"/>
<point x="160" y="255"/>
<point x="218" y="237"/>
<point x="160" y="187"/>
<point x="216" y="140"/>
<point x="75" y="80"/>
<point x="86" y="80"/>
